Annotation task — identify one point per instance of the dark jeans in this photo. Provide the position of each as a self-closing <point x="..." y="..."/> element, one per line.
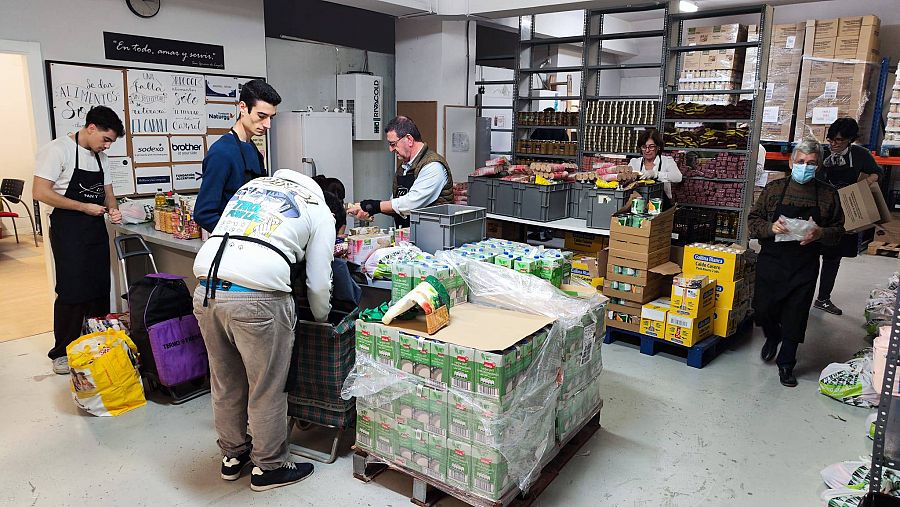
<point x="828" y="275"/>
<point x="68" y="319"/>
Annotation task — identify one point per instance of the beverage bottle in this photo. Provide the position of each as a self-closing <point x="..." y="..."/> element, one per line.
<point x="160" y="199"/>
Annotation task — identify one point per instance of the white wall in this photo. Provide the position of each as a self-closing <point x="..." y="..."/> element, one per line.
<point x="18" y="149"/>
<point x="73" y="30"/>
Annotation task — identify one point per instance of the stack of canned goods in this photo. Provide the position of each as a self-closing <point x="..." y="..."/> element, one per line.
<point x="547" y="118"/>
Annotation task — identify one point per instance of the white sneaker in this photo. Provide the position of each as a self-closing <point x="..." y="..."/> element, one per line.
<point x="61" y="365"/>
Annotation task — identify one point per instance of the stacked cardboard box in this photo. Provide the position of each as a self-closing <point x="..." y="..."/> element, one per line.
<point x="713" y="69"/>
<point x="892" y="128"/>
<point x="840" y="57"/>
<point x="638" y="267"/>
<point x="734" y="276"/>
<point x="785" y="59"/>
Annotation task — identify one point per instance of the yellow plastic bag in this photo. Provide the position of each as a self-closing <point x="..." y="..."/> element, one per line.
<point x="105" y="377"/>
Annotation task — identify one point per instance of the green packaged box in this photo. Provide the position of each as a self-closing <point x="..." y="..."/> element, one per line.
<point x="421" y="406"/>
<point x="407" y="408"/>
<point x="365" y="428"/>
<point x="403" y="454"/>
<point x="437" y="412"/>
<point x="462" y="367"/>
<point x="407" y="346"/>
<point x="504" y="259"/>
<point x="485" y="417"/>
<point x="489" y="472"/>
<point x="459" y="463"/>
<point x="524" y="265"/>
<point x="439" y="360"/>
<point x="421" y="357"/>
<point x="459" y="417"/>
<point x="490" y="372"/>
<point x="401" y="280"/>
<point x="420" y="450"/>
<point x="365" y="338"/>
<point x="386" y="435"/>
<point x="437" y="457"/>
<point x="387" y="346"/>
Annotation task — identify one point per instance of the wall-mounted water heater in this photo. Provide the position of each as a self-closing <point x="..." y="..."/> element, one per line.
<point x="360" y="95"/>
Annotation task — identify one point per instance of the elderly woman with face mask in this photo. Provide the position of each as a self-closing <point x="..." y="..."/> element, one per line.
<point x="844" y="163"/>
<point x="786" y="271"/>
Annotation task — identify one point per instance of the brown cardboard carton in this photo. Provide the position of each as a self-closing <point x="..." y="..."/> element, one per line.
<point x="825" y="28"/>
<point x="824" y="48"/>
<point x="851" y="26"/>
<point x="637" y="293"/>
<point x="863" y="206"/>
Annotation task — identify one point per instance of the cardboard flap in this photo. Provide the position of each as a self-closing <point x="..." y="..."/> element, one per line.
<point x="669" y="268"/>
<point x="477" y="327"/>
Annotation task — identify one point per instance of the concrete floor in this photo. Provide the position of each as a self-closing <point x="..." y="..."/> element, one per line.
<point x="728" y="434"/>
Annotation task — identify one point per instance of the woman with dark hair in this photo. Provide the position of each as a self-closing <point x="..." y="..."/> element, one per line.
<point x="844" y="163"/>
<point x="653" y="164"/>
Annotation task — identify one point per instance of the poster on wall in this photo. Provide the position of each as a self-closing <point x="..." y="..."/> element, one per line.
<point x="187" y="148"/>
<point x="148" y="101"/>
<point x="150" y="179"/>
<point x="138" y="48"/>
<point x="221" y="88"/>
<point x="121" y="173"/>
<point x="187" y="176"/>
<point x="76" y="89"/>
<point x="187" y="103"/>
<point x="261" y="145"/>
<point x="220" y="116"/>
<point x="150" y="149"/>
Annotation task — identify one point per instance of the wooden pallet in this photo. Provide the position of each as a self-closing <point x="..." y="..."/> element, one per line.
<point x="697" y="356"/>
<point x="428" y="490"/>
<point x="885" y="249"/>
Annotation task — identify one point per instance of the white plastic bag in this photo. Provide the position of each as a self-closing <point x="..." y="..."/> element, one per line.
<point x="797" y="229"/>
<point x="134" y="212"/>
<point x="850" y="382"/>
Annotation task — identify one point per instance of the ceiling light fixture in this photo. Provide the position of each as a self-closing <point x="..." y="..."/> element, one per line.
<point x="687" y="6"/>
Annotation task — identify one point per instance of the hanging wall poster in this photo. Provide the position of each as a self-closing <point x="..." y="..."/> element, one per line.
<point x="187" y="148"/>
<point x="187" y="103"/>
<point x="150" y="179"/>
<point x="76" y="89"/>
<point x="148" y="101"/>
<point x="220" y="116"/>
<point x="187" y="176"/>
<point x="221" y="88"/>
<point x="121" y="173"/>
<point x="150" y="149"/>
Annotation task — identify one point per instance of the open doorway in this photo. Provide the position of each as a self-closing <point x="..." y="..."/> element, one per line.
<point x="26" y="294"/>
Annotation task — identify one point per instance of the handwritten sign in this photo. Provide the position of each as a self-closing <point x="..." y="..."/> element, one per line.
<point x="137" y="48"/>
<point x="187" y="103"/>
<point x="77" y="89"/>
<point x="148" y="101"/>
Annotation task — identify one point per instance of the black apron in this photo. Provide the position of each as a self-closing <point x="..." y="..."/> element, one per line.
<point x="786" y="275"/>
<point x="248" y="174"/>
<point x="848" y="246"/>
<point x="404" y="183"/>
<point x="80" y="242"/>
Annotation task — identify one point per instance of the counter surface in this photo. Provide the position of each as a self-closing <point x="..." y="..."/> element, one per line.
<point x="151" y="235"/>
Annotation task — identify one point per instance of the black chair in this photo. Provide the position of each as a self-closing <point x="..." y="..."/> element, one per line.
<point x="11" y="193"/>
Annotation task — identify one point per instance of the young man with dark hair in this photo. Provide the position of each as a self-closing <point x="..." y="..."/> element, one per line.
<point x="234" y="160"/>
<point x="423" y="180"/>
<point x="71" y="174"/>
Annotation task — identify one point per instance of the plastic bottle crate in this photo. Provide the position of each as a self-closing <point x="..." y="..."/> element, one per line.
<point x="603" y="203"/>
<point x="543" y="203"/>
<point x="481" y="192"/>
<point x="446" y="226"/>
<point x="579" y="197"/>
<point x="694" y="225"/>
<point x="506" y="195"/>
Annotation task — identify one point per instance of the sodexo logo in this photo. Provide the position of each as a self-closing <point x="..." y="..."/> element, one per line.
<point x="159" y="148"/>
<point x="186" y="147"/>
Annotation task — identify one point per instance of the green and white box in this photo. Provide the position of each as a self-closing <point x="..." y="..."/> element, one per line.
<point x="491" y="369"/>
<point x="403" y="453"/>
<point x="422" y="358"/>
<point x="401" y="280"/>
<point x="386" y="435"/>
<point x="365" y="338"/>
<point x="462" y="367"/>
<point x="485" y="416"/>
<point x="459" y="417"/>
<point x="490" y="473"/>
<point x="365" y="428"/>
<point x="407" y="347"/>
<point x="421" y="406"/>
<point x="439" y="360"/>
<point x="420" y="450"/>
<point x="459" y="463"/>
<point x="388" y="346"/>
<point x="437" y="412"/>
<point x="437" y="457"/>
<point x="405" y="410"/>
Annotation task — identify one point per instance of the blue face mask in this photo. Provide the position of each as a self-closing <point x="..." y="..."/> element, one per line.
<point x="802" y="173"/>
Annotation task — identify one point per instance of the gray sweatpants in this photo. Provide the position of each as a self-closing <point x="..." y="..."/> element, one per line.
<point x="249" y="337"/>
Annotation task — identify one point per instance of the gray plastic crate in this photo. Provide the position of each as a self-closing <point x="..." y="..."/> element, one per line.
<point x="579" y="195"/>
<point x="544" y="203"/>
<point x="506" y="197"/>
<point x="481" y="192"/>
<point x="601" y="204"/>
<point x="446" y="226"/>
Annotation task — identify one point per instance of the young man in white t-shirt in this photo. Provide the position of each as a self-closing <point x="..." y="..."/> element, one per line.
<point x="71" y="175"/>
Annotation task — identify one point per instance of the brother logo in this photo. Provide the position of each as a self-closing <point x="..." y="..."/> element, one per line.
<point x="709" y="258"/>
<point x="186" y="147"/>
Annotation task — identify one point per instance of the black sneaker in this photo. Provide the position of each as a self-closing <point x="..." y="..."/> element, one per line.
<point x="828" y="306"/>
<point x="232" y="467"/>
<point x="786" y="376"/>
<point x="288" y="473"/>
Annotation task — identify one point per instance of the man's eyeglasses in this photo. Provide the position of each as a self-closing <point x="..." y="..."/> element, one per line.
<point x="393" y="144"/>
<point x="649" y="147"/>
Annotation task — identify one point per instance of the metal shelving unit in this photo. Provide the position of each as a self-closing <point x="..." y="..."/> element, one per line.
<point x="883" y="424"/>
<point x="676" y="48"/>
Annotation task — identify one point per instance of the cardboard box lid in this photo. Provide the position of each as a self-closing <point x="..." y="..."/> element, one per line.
<point x="477" y="327"/>
<point x="863" y="205"/>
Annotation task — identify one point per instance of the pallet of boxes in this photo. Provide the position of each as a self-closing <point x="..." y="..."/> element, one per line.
<point x="476" y="409"/>
<point x="719" y="69"/>
<point x="638" y="268"/>
<point x="839" y="60"/>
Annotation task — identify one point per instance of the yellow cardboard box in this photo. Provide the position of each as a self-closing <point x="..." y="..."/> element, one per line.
<point x="685" y="330"/>
<point x="727" y="320"/>
<point x="694" y="302"/>
<point x="653" y="317"/>
<point x="731" y="294"/>
<point x="721" y="265"/>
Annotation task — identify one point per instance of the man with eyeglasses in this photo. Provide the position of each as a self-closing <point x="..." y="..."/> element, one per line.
<point x="423" y="180"/>
<point x="844" y="164"/>
<point x="787" y="269"/>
